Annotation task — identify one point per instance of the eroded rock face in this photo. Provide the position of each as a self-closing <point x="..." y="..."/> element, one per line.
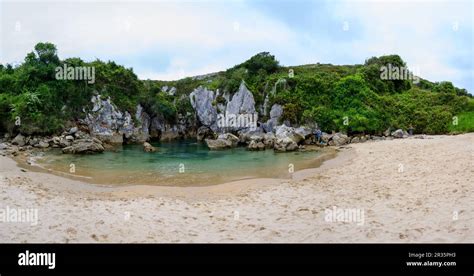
<point x="275" y="114"/>
<point x="242" y="102"/>
<point x="201" y="100"/>
<point x="110" y="125"/>
<point x="85" y="146"/>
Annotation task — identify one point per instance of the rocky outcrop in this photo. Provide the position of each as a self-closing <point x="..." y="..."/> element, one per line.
<point x="202" y="102"/>
<point x="287" y="138"/>
<point x="242" y="102"/>
<point x="275" y="114"/>
<point x="85" y="146"/>
<point x="110" y="125"/>
<point x="147" y="147"/>
<point x="19" y="140"/>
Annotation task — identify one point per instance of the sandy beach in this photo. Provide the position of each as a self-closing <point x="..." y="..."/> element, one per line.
<point x="404" y="190"/>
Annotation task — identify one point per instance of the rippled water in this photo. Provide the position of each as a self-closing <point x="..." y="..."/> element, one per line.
<point x="179" y="163"/>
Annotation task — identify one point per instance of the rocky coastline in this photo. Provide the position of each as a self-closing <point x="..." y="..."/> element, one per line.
<point x="105" y="126"/>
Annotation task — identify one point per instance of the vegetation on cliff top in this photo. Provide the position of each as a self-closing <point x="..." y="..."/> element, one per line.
<point x="350" y="98"/>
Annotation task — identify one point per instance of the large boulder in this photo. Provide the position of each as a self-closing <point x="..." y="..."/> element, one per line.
<point x="223" y="141"/>
<point x="285" y="144"/>
<point x="246" y="134"/>
<point x="230" y="137"/>
<point x="398" y="133"/>
<point x="19" y="140"/>
<point x="284" y="131"/>
<point x="85" y="146"/>
<point x="218" y="144"/>
<point x="147" y="147"/>
<point x="339" y="139"/>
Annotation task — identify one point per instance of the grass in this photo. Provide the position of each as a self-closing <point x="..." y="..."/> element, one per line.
<point x="465" y="120"/>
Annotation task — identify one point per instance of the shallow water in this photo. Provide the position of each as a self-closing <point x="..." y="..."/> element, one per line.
<point x="179" y="163"/>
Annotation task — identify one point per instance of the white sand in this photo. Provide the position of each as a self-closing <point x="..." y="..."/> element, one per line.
<point x="409" y="191"/>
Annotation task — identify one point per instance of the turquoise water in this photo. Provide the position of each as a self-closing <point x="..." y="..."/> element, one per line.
<point x="179" y="163"/>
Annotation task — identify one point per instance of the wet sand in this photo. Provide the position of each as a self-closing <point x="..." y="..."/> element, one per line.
<point x="410" y="190"/>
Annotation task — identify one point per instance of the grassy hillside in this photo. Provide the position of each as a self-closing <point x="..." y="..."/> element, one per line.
<point x="349" y="98"/>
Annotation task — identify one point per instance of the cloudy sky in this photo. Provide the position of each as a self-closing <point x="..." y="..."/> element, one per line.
<point x="173" y="39"/>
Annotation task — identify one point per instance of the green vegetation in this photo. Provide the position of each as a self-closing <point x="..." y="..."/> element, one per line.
<point x="349" y="98"/>
<point x="465" y="120"/>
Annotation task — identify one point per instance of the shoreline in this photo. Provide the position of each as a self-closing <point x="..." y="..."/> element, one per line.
<point x="66" y="181"/>
<point x="415" y="205"/>
<point x="27" y="162"/>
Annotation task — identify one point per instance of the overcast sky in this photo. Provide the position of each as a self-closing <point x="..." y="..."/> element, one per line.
<point x="173" y="39"/>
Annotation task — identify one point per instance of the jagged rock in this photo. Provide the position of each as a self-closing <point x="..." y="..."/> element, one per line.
<point x="19" y="140"/>
<point x="64" y="143"/>
<point x="3" y="146"/>
<point x="398" y="133"/>
<point x="284" y="131"/>
<point x="70" y="138"/>
<point x="275" y="114"/>
<point x="110" y="125"/>
<point x="85" y="146"/>
<point x="386" y="133"/>
<point x="242" y="102"/>
<point x="339" y="139"/>
<point x="147" y="147"/>
<point x="204" y="133"/>
<point x="201" y="100"/>
<point x="355" y="139"/>
<point x="285" y="144"/>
